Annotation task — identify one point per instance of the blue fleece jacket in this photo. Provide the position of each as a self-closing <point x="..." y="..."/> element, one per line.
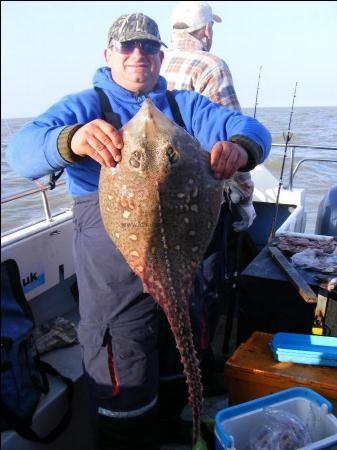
<point x="33" y="151"/>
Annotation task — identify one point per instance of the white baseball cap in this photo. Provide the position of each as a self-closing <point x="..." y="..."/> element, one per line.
<point x="193" y="14"/>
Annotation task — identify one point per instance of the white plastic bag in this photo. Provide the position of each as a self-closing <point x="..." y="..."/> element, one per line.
<point x="279" y="430"/>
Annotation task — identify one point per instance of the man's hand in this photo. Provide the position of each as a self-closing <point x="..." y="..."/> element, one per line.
<point x="99" y="140"/>
<point x="227" y="158"/>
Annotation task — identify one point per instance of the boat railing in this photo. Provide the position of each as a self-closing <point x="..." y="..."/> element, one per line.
<point x="293" y="170"/>
<point x="44" y="188"/>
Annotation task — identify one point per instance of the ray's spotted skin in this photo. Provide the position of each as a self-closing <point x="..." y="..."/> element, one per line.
<point x="160" y="206"/>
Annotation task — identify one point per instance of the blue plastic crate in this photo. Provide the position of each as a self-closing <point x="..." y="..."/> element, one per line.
<point x="234" y="424"/>
<point x="305" y="349"/>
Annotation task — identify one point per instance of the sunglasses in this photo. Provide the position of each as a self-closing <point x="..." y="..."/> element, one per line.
<point x="146" y="47"/>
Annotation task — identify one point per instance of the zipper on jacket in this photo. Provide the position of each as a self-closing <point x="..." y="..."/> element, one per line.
<point x="140" y="99"/>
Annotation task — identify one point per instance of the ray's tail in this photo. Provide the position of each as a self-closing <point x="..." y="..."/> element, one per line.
<point x="182" y="331"/>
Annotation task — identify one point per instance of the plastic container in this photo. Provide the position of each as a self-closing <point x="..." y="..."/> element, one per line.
<point x="234" y="426"/>
<point x="305" y="349"/>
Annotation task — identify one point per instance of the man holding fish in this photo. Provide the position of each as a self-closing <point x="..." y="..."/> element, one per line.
<point x="135" y="373"/>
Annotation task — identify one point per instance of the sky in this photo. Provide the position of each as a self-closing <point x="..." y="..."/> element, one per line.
<point x="52" y="48"/>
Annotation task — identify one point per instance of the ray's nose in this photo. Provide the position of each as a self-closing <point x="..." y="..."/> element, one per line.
<point x="148" y="117"/>
<point x="147" y="109"/>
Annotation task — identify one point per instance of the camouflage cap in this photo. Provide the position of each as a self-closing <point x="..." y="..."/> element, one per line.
<point x="134" y="26"/>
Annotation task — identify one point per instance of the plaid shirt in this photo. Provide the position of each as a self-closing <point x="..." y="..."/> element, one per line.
<point x="187" y="66"/>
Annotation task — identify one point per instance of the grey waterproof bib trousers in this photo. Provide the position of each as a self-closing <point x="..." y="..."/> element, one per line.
<point x="125" y="338"/>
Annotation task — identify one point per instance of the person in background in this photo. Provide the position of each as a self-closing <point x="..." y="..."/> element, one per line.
<point x="130" y="359"/>
<point x="188" y="64"/>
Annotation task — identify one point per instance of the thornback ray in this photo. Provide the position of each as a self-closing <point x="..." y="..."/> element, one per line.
<point x="160" y="206"/>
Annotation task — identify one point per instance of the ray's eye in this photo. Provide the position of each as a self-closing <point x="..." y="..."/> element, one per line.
<point x="172" y="154"/>
<point x="135" y="159"/>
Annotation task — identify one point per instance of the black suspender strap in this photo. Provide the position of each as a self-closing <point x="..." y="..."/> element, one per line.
<point x="114" y="118"/>
<point x="53" y="178"/>
<point x="107" y="113"/>
<point x="175" y="109"/>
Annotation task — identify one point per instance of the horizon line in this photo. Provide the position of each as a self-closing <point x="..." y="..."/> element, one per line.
<point x="242" y="107"/>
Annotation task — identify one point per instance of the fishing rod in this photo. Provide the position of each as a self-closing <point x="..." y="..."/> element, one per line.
<point x="232" y="274"/>
<point x="257" y="91"/>
<point x="287" y="138"/>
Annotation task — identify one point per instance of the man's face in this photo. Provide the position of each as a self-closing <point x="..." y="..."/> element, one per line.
<point x="133" y="67"/>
